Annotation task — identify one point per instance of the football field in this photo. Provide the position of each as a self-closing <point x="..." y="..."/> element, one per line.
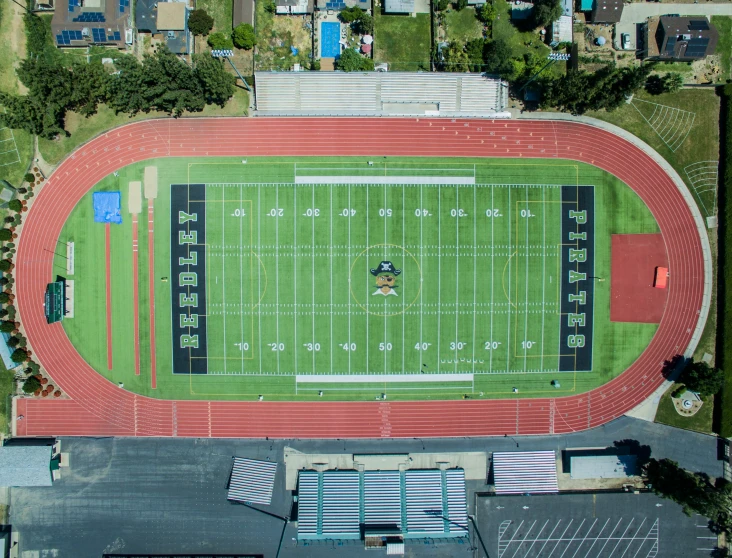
<point x="351" y="279"/>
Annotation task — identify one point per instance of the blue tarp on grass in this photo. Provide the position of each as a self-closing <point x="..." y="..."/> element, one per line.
<point x="107" y="207"/>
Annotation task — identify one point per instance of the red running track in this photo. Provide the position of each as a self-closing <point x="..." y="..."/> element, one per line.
<point x="98" y="407"/>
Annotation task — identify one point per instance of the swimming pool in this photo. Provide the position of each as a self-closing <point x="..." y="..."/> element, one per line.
<point x="330" y="35"/>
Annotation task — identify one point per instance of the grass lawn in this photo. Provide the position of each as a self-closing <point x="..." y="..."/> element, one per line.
<point x="402" y="41"/>
<point x="700" y="422"/>
<point x="724" y="43"/>
<point x="220" y="11"/>
<point x="286" y="278"/>
<point x="6" y="390"/>
<point x="16" y="149"/>
<point x="276" y="35"/>
<point x="463" y="26"/>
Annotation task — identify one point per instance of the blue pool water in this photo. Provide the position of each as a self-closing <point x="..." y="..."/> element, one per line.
<point x="330" y="34"/>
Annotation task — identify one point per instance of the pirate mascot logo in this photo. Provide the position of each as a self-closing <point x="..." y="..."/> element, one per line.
<point x="386" y="275"/>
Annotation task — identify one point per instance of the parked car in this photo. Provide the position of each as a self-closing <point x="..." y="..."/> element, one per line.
<point x="625" y="41"/>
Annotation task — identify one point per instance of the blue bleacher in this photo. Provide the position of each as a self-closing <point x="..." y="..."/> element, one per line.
<point x="90" y="17"/>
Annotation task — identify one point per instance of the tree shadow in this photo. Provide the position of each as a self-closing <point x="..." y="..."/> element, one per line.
<point x="673" y="367"/>
<point x="641" y="452"/>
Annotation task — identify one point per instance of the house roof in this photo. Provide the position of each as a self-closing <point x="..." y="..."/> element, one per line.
<point x="686" y="38"/>
<point x="172" y="16"/>
<point x="77" y="23"/>
<point x="607" y="11"/>
<point x="399" y="6"/>
<point x="25" y="465"/>
<point x="146" y="15"/>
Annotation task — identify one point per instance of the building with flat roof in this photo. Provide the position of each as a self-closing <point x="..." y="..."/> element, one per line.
<point x="80" y="23"/>
<point x="606" y="11"/>
<point x="680" y="38"/>
<point x="25" y="465"/>
<point x="294" y="7"/>
<point x="399" y="6"/>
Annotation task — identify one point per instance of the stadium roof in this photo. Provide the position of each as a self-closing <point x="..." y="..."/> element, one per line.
<point x="525" y="472"/>
<point x="380" y="94"/>
<point x="25" y="465"/>
<point x="415" y="503"/>
<point x="252" y="481"/>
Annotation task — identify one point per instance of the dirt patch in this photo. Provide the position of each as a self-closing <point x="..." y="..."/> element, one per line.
<point x="282" y="41"/>
<point x="14" y="33"/>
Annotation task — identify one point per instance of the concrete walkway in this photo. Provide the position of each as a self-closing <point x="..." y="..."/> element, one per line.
<point x="638" y="13"/>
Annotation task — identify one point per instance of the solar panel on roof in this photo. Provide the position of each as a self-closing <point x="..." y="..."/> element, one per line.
<point x="699" y="25"/>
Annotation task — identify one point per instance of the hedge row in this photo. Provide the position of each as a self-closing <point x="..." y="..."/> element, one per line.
<point x="724" y="273"/>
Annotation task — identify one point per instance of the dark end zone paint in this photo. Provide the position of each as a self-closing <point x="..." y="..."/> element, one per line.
<point x="578" y="277"/>
<point x="188" y="302"/>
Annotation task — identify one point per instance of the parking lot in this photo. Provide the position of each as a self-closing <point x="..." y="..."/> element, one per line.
<point x="591" y="526"/>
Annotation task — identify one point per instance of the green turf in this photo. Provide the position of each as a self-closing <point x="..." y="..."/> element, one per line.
<point x="402" y="41"/>
<point x="273" y="297"/>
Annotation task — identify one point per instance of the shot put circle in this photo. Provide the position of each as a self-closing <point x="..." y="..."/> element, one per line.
<point x="408" y="282"/>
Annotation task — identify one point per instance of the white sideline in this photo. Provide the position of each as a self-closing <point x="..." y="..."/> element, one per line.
<point x="385" y="180"/>
<point x="355" y="379"/>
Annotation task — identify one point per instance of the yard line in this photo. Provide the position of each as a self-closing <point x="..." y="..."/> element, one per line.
<point x="421" y="291"/>
<point x="331" y="278"/>
<point x="526" y="288"/>
<point x="367" y="293"/>
<point x="312" y="282"/>
<point x="543" y="273"/>
<point x="241" y="283"/>
<point x="457" y="271"/>
<point x="385" y="340"/>
<point x="223" y="265"/>
<point x="277" y="272"/>
<point x="475" y="264"/>
<point x="259" y="272"/>
<point x="349" y="279"/>
<point x="493" y="277"/>
<point x="403" y="243"/>
<point x="508" y="339"/>
<point x="294" y="268"/>
<point x="439" y="269"/>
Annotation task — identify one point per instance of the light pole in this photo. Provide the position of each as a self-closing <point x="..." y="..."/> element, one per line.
<point x="553" y="57"/>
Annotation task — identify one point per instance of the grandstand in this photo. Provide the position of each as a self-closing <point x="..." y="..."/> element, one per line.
<point x="380" y="94"/>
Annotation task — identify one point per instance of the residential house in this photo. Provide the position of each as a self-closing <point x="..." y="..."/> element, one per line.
<point x="166" y="21"/>
<point x="337" y="5"/>
<point x="606" y="11"/>
<point x="680" y="38"/>
<point x="399" y="6"/>
<point x="79" y="23"/>
<point x="294" y="7"/>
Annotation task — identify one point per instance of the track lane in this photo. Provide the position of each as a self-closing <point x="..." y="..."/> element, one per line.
<point x="107" y="408"/>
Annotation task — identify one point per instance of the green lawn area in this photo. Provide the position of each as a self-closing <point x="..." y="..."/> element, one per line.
<point x="724" y="43"/>
<point x="402" y="41"/>
<point x="700" y="422"/>
<point x="462" y="26"/>
<point x="220" y="11"/>
<point x="278" y="280"/>
<point x="16" y="148"/>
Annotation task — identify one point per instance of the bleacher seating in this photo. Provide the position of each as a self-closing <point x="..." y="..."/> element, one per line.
<point x="378" y="93"/>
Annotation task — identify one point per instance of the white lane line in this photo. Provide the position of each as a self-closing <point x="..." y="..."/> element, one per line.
<point x="332" y="351"/>
<point x="609" y="538"/>
<point x="569" y="544"/>
<point x="312" y="263"/>
<point x="561" y="537"/>
<point x="536" y="539"/>
<point x="439" y="271"/>
<point x="520" y="544"/>
<point x="587" y="554"/>
<point x="622" y="537"/>
<point x="277" y="272"/>
<point x="223" y="266"/>
<point x="508" y="544"/>
<point x="421" y="292"/>
<point x="404" y="212"/>
<point x="526" y="284"/>
<point x="368" y="297"/>
<point x="508" y="339"/>
<point x="543" y="273"/>
<point x="457" y="273"/>
<point x="259" y="272"/>
<point x="587" y="534"/>
<point x="493" y="271"/>
<point x="633" y="538"/>
<point x="385" y="308"/>
<point x="241" y="280"/>
<point x="475" y="265"/>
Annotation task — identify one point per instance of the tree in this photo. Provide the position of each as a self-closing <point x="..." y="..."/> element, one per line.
<point x="474" y="50"/>
<point x="200" y="23"/>
<point x="29" y="177"/>
<point x="15" y="205"/>
<point x="701" y="378"/>
<point x="669" y="83"/>
<point x="546" y="12"/>
<point x="5" y="235"/>
<point x="90" y="87"/>
<point x="216" y="82"/>
<point x="7" y="327"/>
<point x="349" y="15"/>
<point x="364" y="25"/>
<point x="219" y="41"/>
<point x="19" y="355"/>
<point x="486" y="13"/>
<point x="13" y="342"/>
<point x="5" y="265"/>
<point x="459" y="4"/>
<point x="497" y="58"/>
<point x="455" y="58"/>
<point x="441" y="5"/>
<point x="352" y="61"/>
<point x="695" y="492"/>
<point x="31" y="384"/>
<point x="243" y="36"/>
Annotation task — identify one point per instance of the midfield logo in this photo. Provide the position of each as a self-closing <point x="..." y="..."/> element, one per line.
<point x="386" y="277"/>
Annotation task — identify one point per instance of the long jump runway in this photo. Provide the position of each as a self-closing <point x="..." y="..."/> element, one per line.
<point x="98" y="407"/>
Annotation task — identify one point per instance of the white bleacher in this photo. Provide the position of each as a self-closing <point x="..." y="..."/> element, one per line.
<point x="380" y="94"/>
